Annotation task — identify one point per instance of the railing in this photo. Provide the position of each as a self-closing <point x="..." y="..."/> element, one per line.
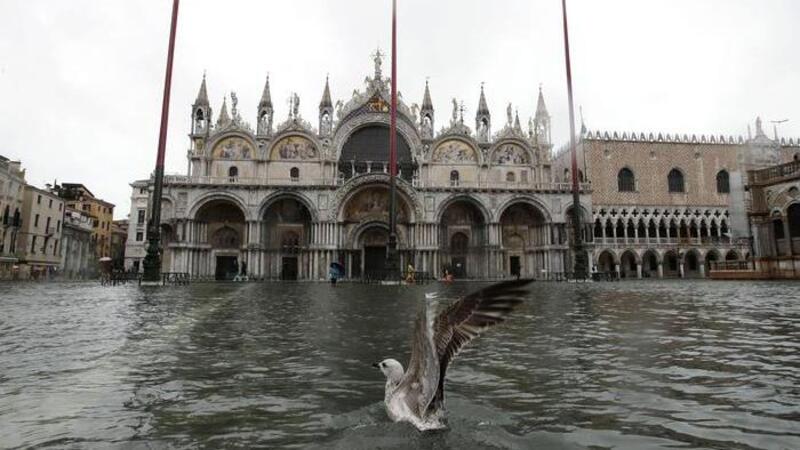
<point x="416" y="182"/>
<point x="731" y="265"/>
<point x="708" y="240"/>
<point x="504" y="185"/>
<point x="775" y="174"/>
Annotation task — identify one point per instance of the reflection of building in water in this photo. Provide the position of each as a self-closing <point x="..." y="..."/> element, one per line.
<point x="672" y="205"/>
<point x="289" y="200"/>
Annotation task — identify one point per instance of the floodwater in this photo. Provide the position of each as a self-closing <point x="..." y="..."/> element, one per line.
<point x="681" y="364"/>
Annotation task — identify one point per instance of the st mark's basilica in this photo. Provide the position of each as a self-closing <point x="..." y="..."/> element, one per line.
<point x="287" y="199"/>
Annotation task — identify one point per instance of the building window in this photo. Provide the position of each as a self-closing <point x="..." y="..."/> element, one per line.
<point x="140" y="216"/>
<point x="626" y="182"/>
<point x="50" y="204"/>
<point x="55" y="247"/>
<point x="233" y="172"/>
<point x="59" y="206"/>
<point x="723" y="182"/>
<point x="33" y="244"/>
<point x="454" y="178"/>
<point x="139" y="236"/>
<point x="39" y="200"/>
<point x="294" y="174"/>
<point x="36" y="220"/>
<point x="675" y="181"/>
<point x="510" y="177"/>
<point x="47" y="227"/>
<point x="797" y="156"/>
<point x="58" y="226"/>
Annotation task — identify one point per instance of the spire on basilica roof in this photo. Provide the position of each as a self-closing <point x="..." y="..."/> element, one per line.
<point x="266" y="97"/>
<point x="541" y="109"/>
<point x="483" y="108"/>
<point x="223" y="119"/>
<point x="326" y="96"/>
<point x="427" y="104"/>
<point x="202" y="94"/>
<point x="517" y="125"/>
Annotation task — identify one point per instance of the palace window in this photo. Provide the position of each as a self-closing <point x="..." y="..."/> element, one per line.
<point x="294" y="174"/>
<point x="139" y="236"/>
<point x="36" y="220"/>
<point x="723" y="182"/>
<point x="454" y="178"/>
<point x="675" y="181"/>
<point x="626" y="182"/>
<point x="140" y="216"/>
<point x="233" y="172"/>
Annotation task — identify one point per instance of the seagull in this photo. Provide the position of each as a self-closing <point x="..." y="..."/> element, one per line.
<point x="417" y="395"/>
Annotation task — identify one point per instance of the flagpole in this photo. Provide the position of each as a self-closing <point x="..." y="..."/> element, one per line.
<point x="152" y="260"/>
<point x="580" y="262"/>
<point x="391" y="254"/>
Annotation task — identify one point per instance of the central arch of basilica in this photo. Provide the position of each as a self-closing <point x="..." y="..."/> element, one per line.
<point x="287" y="201"/>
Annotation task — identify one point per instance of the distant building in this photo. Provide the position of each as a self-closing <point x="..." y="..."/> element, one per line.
<point x="119" y="237"/>
<point x="81" y="198"/>
<point x="670" y="205"/>
<point x="775" y="218"/>
<point x="40" y="235"/>
<point x="137" y="227"/>
<point x="78" y="258"/>
<point x="12" y="188"/>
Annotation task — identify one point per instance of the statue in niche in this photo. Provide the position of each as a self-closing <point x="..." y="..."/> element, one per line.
<point x="326" y="124"/>
<point x="483" y="131"/>
<point x="414" y="112"/>
<point x="427" y="127"/>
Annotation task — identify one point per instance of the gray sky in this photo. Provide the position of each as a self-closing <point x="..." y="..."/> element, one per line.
<point x="81" y="80"/>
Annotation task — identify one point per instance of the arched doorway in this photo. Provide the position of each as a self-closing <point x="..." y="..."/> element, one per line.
<point x="691" y="264"/>
<point x="463" y="239"/>
<point x="711" y="257"/>
<point x="628" y="265"/>
<point x="524" y="233"/>
<point x="286" y="235"/>
<point x="650" y="264"/>
<point x="606" y="263"/>
<point x="222" y="225"/>
<point x="671" y="266"/>
<point x="372" y="242"/>
<point x="364" y="218"/>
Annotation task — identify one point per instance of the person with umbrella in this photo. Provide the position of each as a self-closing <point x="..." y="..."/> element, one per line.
<point x="335" y="272"/>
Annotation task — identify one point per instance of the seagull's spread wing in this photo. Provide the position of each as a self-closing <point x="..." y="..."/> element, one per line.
<point x="465" y="319"/>
<point x="419" y="383"/>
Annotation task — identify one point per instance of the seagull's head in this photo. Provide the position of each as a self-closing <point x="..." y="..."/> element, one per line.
<point x="391" y="368"/>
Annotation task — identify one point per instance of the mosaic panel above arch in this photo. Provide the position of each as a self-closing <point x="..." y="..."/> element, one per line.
<point x="510" y="153"/>
<point x="372" y="204"/>
<point x="293" y="148"/>
<point x="454" y="151"/>
<point x="233" y="148"/>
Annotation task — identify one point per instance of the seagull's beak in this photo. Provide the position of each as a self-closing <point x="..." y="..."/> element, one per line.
<point x="376" y="365"/>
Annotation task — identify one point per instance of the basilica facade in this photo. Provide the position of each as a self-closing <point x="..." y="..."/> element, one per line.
<point x="287" y="199"/>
